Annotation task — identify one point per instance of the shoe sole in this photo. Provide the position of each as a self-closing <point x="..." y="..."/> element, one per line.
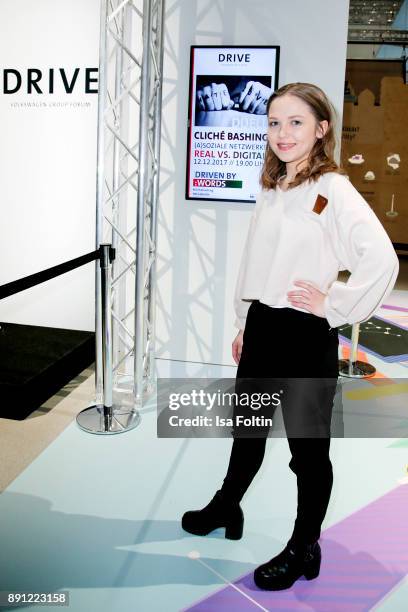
<point x="285" y="587"/>
<point x="230" y="534"/>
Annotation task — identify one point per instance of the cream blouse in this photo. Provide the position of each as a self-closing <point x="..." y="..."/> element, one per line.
<point x="288" y="241"/>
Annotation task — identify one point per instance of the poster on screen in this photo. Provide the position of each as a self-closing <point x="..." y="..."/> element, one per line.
<point x="227" y="123"/>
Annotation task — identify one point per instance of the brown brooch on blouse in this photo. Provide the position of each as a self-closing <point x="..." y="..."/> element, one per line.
<point x="320" y="204"/>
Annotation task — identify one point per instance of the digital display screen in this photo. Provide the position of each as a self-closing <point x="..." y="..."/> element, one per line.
<point x="227" y="126"/>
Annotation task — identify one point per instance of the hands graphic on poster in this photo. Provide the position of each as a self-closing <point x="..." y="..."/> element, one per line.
<point x="254" y="97"/>
<point x="214" y="97"/>
<point x="250" y="97"/>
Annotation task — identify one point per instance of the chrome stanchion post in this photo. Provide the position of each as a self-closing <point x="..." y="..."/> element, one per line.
<point x="102" y="418"/>
<point x="355" y="332"/>
<point x="352" y="368"/>
<point x="106" y="270"/>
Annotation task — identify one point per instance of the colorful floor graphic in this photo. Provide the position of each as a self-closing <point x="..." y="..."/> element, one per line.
<point x="382" y="338"/>
<point x="357" y="570"/>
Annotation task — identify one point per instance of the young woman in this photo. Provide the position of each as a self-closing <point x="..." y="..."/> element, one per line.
<point x="309" y="222"/>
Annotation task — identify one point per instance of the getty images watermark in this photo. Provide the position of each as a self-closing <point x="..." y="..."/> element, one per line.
<point x="214" y="408"/>
<point x="281" y="407"/>
<point x="221" y="399"/>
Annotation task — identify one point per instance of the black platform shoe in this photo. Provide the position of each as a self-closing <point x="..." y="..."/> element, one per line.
<point x="220" y="512"/>
<point x="292" y="563"/>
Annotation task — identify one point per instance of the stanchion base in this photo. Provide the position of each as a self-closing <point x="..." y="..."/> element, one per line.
<point x="360" y="369"/>
<point x="94" y="420"/>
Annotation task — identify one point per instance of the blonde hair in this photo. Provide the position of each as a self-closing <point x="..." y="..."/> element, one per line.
<point x="320" y="159"/>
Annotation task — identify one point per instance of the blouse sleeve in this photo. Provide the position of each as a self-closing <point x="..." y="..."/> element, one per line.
<point x="365" y="249"/>
<point x="241" y="306"/>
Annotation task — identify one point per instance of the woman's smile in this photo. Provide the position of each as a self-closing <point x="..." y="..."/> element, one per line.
<point x="286" y="147"/>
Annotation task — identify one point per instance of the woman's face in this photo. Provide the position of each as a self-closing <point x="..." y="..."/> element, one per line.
<point x="293" y="129"/>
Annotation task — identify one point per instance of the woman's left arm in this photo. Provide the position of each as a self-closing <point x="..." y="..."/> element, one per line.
<point x="369" y="256"/>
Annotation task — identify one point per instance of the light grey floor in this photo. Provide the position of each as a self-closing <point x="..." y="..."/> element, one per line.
<point x="100" y="516"/>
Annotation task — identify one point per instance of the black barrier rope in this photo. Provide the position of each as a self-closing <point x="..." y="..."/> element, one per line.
<point x="45" y="275"/>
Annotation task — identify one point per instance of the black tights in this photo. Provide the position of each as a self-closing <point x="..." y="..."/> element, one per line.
<point x="266" y="336"/>
<point x="312" y="466"/>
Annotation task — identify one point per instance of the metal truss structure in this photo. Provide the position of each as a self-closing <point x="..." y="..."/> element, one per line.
<point x="128" y="152"/>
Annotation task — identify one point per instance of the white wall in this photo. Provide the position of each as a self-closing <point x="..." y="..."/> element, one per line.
<point x="200" y="243"/>
<point x="48" y="161"/>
